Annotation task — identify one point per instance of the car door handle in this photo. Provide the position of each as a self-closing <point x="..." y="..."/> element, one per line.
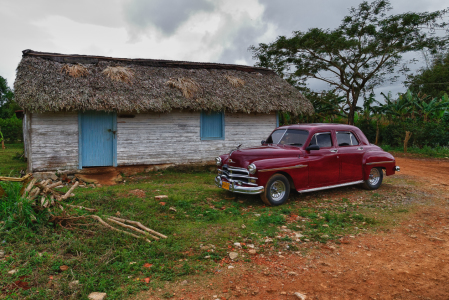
<point x="360" y="148"/>
<point x="334" y="150"/>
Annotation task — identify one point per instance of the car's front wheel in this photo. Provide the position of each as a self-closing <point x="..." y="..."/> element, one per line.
<point x="374" y="180"/>
<point x="276" y="190"/>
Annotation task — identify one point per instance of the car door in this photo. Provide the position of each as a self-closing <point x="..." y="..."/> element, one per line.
<point x="324" y="166"/>
<point x="350" y="154"/>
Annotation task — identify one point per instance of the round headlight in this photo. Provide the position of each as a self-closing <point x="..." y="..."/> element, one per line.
<point x="252" y="168"/>
<point x="218" y="161"/>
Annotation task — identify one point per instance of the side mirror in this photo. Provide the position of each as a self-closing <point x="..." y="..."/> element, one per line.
<point x="313" y="147"/>
<point x="262" y="142"/>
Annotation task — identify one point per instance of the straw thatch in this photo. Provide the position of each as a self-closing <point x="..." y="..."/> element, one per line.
<point x="40" y="86"/>
<point x="187" y="86"/>
<point x="123" y="74"/>
<point x="77" y="70"/>
<point x="235" y="81"/>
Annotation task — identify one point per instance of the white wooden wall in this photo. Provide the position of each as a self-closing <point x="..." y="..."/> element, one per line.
<point x="53" y="141"/>
<point x="175" y="138"/>
<point x="148" y="138"/>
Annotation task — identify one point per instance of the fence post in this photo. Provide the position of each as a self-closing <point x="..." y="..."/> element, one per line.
<point x="408" y="135"/>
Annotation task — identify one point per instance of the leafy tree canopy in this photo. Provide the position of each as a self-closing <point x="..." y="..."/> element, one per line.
<point x="434" y="80"/>
<point x="360" y="54"/>
<point x="7" y="104"/>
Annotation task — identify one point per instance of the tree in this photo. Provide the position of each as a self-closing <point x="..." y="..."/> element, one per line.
<point x="358" y="55"/>
<point x="433" y="81"/>
<point x="7" y="104"/>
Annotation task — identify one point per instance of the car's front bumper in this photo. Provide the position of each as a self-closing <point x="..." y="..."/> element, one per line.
<point x="233" y="187"/>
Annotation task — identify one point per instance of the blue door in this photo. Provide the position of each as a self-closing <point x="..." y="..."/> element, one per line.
<point x="97" y="139"/>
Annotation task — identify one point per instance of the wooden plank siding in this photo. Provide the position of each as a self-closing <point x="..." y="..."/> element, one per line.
<point x="148" y="138"/>
<point x="54" y="141"/>
<point x="153" y="138"/>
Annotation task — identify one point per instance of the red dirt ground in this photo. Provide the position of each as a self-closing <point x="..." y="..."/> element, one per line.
<point x="408" y="262"/>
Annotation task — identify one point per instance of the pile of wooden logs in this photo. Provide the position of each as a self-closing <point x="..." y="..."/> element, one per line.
<point x="45" y="189"/>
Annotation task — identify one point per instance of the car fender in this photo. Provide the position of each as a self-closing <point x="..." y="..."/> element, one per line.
<point x="294" y="167"/>
<point x="376" y="159"/>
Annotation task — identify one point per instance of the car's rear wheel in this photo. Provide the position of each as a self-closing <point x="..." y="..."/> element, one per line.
<point x="374" y="180"/>
<point x="276" y="190"/>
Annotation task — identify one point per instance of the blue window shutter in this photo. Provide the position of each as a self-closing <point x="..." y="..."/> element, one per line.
<point x="277" y="119"/>
<point x="212" y="126"/>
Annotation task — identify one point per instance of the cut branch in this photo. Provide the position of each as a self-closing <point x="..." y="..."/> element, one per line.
<point x="132" y="228"/>
<point x="113" y="228"/>
<point x="141" y="226"/>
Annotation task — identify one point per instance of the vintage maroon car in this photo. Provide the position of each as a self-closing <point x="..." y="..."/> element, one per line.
<point x="307" y="158"/>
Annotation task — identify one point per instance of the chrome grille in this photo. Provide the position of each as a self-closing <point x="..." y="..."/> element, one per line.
<point x="237" y="175"/>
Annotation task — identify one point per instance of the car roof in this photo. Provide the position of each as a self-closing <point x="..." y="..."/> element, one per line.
<point x="319" y="126"/>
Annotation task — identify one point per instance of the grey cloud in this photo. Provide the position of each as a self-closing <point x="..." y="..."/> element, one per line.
<point x="100" y="12"/>
<point x="246" y="36"/>
<point x="167" y="15"/>
<point x="291" y="15"/>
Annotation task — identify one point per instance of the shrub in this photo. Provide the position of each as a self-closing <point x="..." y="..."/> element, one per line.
<point x="11" y="129"/>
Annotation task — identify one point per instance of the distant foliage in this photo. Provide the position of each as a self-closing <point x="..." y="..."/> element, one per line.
<point x="434" y="80"/>
<point x="426" y="117"/>
<point x="11" y="129"/>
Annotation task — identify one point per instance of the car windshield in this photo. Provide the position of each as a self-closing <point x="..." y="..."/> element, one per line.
<point x="288" y="137"/>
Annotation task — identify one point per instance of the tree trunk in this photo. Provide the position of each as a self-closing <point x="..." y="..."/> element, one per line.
<point x="377" y="132"/>
<point x="408" y="135"/>
<point x="352" y="106"/>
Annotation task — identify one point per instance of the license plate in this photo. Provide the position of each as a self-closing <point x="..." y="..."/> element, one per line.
<point x="225" y="185"/>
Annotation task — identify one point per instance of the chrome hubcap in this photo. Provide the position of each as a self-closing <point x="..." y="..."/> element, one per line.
<point x="374" y="176"/>
<point x="277" y="190"/>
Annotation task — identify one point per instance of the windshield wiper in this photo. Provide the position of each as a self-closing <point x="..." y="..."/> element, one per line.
<point x="296" y="144"/>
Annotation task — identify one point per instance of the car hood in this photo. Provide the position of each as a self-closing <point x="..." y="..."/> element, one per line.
<point x="243" y="157"/>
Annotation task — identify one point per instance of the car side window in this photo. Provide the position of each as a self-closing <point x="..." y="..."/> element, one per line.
<point x="346" y="138"/>
<point x="324" y="140"/>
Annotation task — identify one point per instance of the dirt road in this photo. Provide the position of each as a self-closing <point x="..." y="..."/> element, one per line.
<point x="410" y="261"/>
<point x="433" y="171"/>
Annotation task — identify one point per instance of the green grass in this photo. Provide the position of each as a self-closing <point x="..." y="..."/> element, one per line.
<point x="111" y="262"/>
<point x="9" y="165"/>
<point x="426" y="151"/>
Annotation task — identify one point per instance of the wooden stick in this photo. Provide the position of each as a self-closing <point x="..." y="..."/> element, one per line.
<point x="45" y="182"/>
<point x="113" y="228"/>
<point x="54" y="185"/>
<point x="30" y="186"/>
<point x="141" y="226"/>
<point x="24" y="178"/>
<point x="132" y="228"/>
<point x="33" y="194"/>
<point x="70" y="191"/>
<point x="82" y="207"/>
<point x="56" y="194"/>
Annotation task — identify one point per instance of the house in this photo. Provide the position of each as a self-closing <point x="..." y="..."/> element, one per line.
<point x="85" y="111"/>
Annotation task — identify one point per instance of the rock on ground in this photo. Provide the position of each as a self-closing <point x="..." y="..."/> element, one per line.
<point x="233" y="255"/>
<point x="97" y="296"/>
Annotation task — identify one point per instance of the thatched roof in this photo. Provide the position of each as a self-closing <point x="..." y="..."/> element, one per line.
<point x="56" y="82"/>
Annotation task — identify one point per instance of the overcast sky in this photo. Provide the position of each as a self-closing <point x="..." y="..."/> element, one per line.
<point x="193" y="30"/>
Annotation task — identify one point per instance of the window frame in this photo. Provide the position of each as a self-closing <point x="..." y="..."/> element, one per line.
<point x="350" y="132"/>
<point x="319" y="133"/>
<point x="202" y="126"/>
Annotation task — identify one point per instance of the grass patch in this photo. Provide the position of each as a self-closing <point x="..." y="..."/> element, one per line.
<point x="426" y="151"/>
<point x="10" y="163"/>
